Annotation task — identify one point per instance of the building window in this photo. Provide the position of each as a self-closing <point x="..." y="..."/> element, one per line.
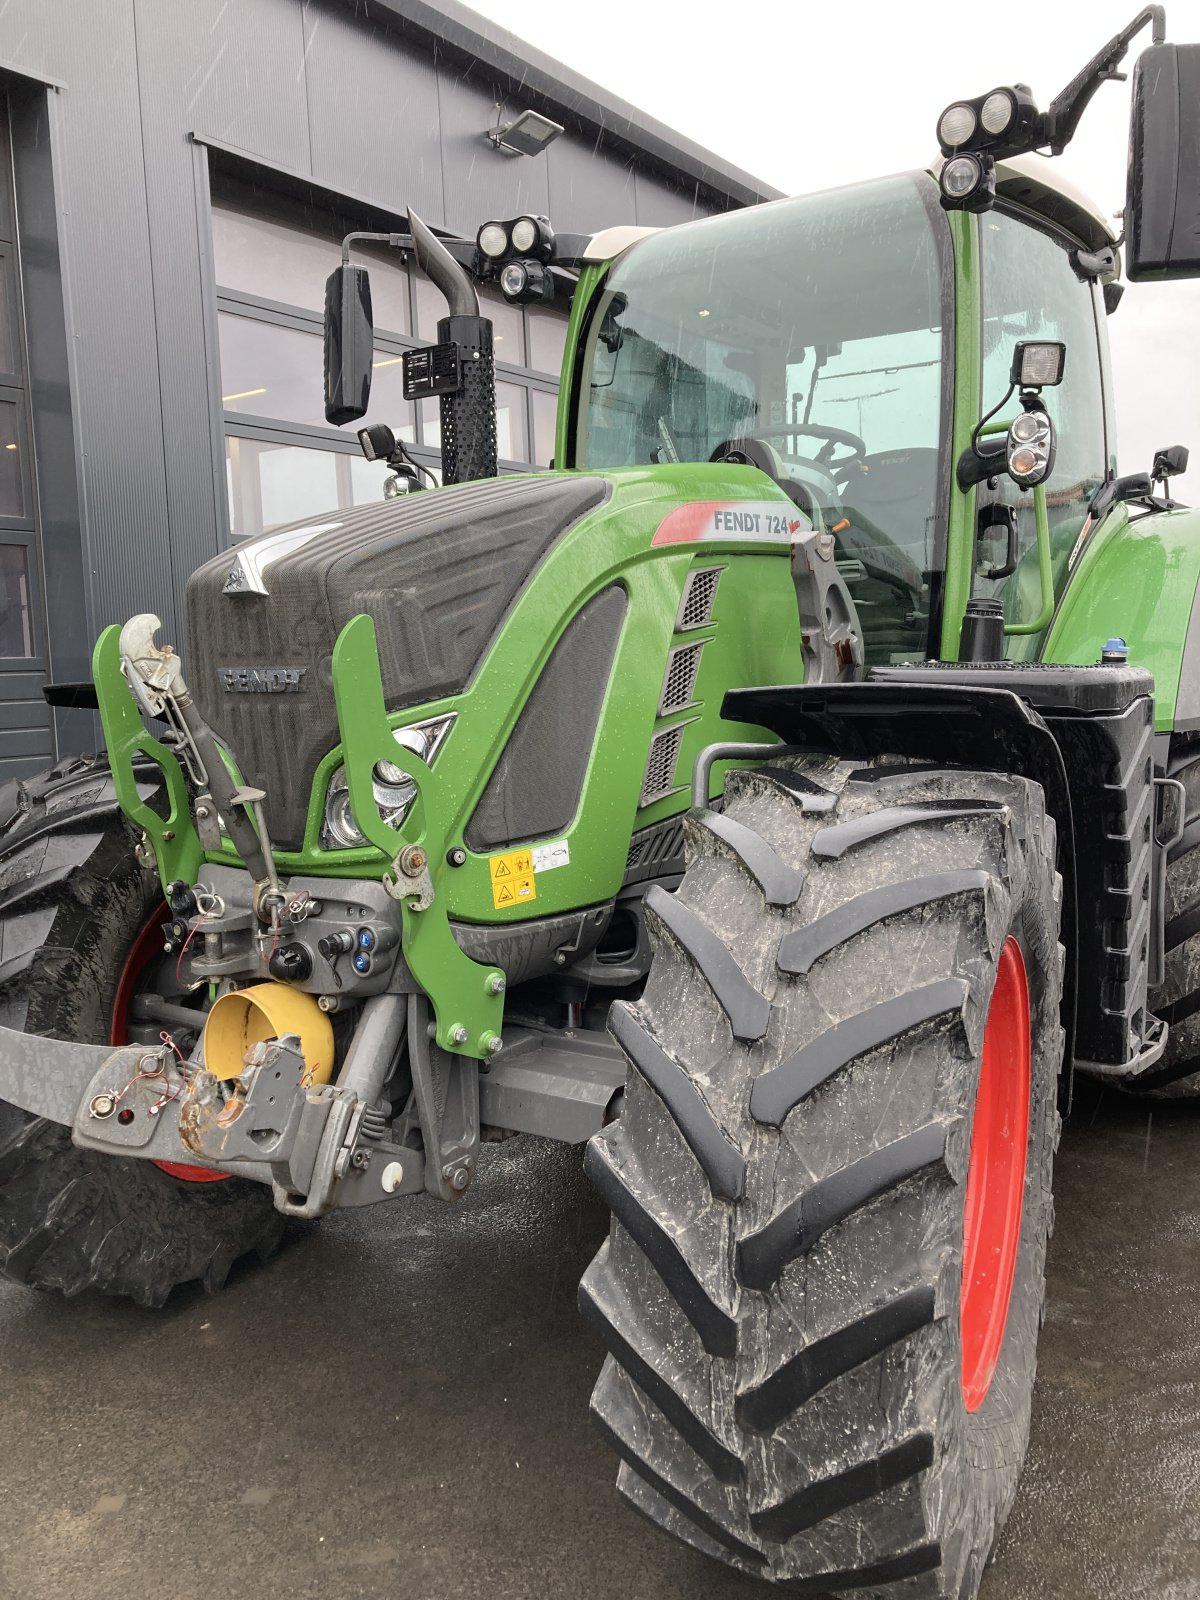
<point x="271" y="256"/>
<point x="16" y="625"/>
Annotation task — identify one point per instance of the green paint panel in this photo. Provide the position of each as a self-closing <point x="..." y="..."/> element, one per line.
<point x="752" y="637"/>
<point x="1136" y="580"/>
<point x="968" y="375"/>
<point x="467" y="1006"/>
<point x="173" y="838"/>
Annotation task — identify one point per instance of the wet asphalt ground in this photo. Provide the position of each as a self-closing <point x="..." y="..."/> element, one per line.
<point x="397" y="1406"/>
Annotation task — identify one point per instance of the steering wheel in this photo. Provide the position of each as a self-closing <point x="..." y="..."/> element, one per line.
<point x="833" y="437"/>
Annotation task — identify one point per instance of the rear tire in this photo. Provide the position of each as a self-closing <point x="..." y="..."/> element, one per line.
<point x="73" y="899"/>
<point x="780" y="1291"/>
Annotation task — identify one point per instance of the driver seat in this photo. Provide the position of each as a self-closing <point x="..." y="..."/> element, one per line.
<point x="757" y="453"/>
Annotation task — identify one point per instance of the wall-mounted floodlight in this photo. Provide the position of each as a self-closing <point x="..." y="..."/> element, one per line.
<point x="526" y="135"/>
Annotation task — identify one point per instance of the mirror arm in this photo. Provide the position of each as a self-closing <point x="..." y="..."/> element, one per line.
<point x="397" y="241"/>
<point x="1057" y="125"/>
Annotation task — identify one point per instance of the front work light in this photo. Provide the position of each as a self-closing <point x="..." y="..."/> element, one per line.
<point x="998" y="112"/>
<point x="493" y="240"/>
<point x="1038" y="364"/>
<point x="999" y="123"/>
<point x="533" y="236"/>
<point x="956" y="125"/>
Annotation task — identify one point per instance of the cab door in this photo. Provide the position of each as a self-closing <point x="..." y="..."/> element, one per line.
<point x="1031" y="290"/>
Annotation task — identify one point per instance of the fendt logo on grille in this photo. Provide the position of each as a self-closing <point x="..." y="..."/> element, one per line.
<point x="261" y="680"/>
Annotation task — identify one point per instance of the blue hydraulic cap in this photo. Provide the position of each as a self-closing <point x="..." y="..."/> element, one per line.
<point x="361" y="962"/>
<point x="1115" y="651"/>
<point x="366" y="939"/>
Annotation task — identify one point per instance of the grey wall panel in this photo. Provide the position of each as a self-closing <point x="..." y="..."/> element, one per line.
<point x="37" y="139"/>
<point x="373" y="111"/>
<point x="589" y="190"/>
<point x="189" y="533"/>
<point x="480" y="181"/>
<point x="107" y="271"/>
<point x="235" y="69"/>
<point x="660" y="206"/>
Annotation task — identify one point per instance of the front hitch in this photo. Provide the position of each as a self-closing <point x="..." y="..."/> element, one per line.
<point x="316" y="1145"/>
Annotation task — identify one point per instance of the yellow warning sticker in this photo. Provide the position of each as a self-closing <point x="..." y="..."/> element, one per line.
<point x="512" y="878"/>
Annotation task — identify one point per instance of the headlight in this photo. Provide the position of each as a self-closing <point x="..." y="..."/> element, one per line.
<point x="393" y="789"/>
<point x="418" y="740"/>
<point x="961" y="176"/>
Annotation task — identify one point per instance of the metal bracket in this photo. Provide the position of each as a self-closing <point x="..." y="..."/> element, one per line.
<point x="254" y="1117"/>
<point x="409" y="880"/>
<point x="467" y="997"/>
<point x="446" y="1090"/>
<point x="173" y="839"/>
<point x="830" y="632"/>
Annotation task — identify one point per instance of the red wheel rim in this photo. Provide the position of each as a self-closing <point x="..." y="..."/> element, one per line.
<point x="146" y="947"/>
<point x="995" y="1177"/>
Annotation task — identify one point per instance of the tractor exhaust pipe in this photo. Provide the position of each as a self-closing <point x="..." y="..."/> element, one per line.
<point x="468" y="415"/>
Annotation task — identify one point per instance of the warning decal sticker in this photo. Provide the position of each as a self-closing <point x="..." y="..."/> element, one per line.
<point x="548" y="856"/>
<point x="512" y="878"/>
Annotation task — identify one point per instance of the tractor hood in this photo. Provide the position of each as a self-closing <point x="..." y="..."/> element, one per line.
<point x="436" y="572"/>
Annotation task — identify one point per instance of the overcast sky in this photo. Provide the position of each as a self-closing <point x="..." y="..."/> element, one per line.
<point x="806" y="96"/>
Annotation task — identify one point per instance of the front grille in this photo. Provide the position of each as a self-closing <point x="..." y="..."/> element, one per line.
<point x="682" y="665"/>
<point x="699" y="592"/>
<point x="661" y="763"/>
<point x="435" y="572"/>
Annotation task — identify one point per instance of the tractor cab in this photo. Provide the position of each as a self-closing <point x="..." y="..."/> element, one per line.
<point x="815" y="339"/>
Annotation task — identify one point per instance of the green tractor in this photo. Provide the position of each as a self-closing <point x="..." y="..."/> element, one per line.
<point x="783" y="798"/>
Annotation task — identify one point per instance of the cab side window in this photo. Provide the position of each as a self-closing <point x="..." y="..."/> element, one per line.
<point x="1031" y="291"/>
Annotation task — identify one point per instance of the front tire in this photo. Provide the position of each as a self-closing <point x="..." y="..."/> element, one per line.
<point x="73" y="902"/>
<point x="781" y="1293"/>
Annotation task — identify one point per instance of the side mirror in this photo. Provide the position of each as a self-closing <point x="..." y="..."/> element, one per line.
<point x="1171" y="462"/>
<point x="349" y="343"/>
<point x="1162" y="200"/>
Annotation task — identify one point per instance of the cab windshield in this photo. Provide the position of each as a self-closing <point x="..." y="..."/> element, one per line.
<point x="819" y="327"/>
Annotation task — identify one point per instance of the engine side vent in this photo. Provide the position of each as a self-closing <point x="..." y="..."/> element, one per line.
<point x="655" y="851"/>
<point x="661" y="763"/>
<point x="682" y="665"/>
<point x="699" y="592"/>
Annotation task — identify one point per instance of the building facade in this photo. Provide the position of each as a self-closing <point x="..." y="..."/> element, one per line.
<point x="175" y="180"/>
